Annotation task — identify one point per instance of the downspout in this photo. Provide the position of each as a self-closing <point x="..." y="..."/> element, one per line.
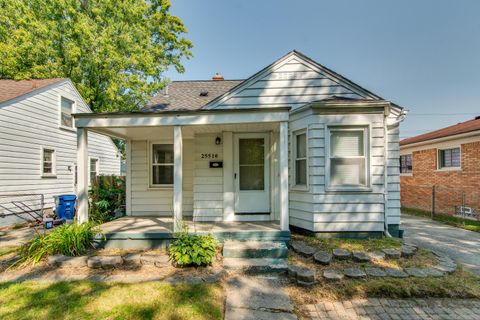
<point x="386" y="125"/>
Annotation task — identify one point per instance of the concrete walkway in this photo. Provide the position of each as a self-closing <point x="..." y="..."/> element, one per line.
<point x="459" y="244"/>
<point x="395" y="309"/>
<point x="259" y="298"/>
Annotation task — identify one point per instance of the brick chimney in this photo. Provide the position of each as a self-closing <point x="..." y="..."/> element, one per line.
<point x="217" y="77"/>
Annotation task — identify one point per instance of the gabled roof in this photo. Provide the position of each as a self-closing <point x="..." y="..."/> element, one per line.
<point x="459" y="128"/>
<point x="187" y="95"/>
<point x="10" y="89"/>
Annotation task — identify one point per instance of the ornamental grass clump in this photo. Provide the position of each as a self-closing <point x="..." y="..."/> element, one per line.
<point x="68" y="239"/>
<point x="193" y="250"/>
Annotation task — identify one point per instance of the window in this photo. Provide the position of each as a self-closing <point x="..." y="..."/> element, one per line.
<point x="301" y="159"/>
<point x="48" y="162"/>
<point x="406" y="163"/>
<point x="449" y="158"/>
<point x="93" y="169"/>
<point x="66" y="110"/>
<point x="348" y="161"/>
<point x="162" y="164"/>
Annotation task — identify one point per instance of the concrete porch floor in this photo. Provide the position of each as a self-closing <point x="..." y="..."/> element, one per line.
<point x="152" y="232"/>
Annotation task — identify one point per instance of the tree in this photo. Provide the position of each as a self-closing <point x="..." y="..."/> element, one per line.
<point x="114" y="51"/>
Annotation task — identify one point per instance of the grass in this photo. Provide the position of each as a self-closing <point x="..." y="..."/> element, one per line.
<point x="351" y="244"/>
<point x="97" y="300"/>
<point x="467" y="224"/>
<point x="8" y="249"/>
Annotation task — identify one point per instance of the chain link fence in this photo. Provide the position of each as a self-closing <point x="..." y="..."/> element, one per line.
<point x="21" y="208"/>
<point x="460" y="202"/>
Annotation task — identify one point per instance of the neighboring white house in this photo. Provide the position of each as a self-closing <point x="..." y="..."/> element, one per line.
<point x="38" y="142"/>
<point x="295" y="143"/>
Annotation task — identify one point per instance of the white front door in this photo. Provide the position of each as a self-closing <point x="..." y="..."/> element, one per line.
<point x="252" y="174"/>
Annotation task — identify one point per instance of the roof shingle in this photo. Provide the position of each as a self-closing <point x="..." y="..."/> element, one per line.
<point x="185" y="95"/>
<point x="10" y="89"/>
<point x="462" y="127"/>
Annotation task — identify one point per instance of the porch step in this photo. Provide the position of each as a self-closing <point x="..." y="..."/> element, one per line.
<point x="257" y="265"/>
<point x="255" y="249"/>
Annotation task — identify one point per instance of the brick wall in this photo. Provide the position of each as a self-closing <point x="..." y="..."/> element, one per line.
<point x="416" y="189"/>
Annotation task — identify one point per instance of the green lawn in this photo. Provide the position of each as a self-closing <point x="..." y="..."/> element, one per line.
<point x="97" y="300"/>
<point x="472" y="225"/>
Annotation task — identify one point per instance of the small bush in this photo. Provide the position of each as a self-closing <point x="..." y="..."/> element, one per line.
<point x="69" y="240"/>
<point x="107" y="194"/>
<point x="193" y="250"/>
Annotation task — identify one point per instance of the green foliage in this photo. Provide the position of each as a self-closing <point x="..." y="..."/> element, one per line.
<point x="68" y="239"/>
<point x="193" y="250"/>
<point x="107" y="193"/>
<point x="114" y="51"/>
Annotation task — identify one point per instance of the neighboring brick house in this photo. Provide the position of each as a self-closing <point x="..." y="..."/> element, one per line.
<point x="448" y="159"/>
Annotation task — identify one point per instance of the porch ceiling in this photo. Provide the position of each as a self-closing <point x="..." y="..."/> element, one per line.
<point x="166" y="132"/>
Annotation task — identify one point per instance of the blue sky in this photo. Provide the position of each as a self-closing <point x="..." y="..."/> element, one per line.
<point x="423" y="55"/>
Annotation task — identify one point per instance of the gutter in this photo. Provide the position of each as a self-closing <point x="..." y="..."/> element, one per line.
<point x="387" y="125"/>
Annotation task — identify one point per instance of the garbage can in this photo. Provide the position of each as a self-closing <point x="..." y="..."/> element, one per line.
<point x="66" y="206"/>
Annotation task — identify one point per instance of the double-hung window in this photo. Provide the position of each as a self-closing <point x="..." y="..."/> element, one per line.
<point x="162" y="165"/>
<point x="66" y="110"/>
<point x="300" y="148"/>
<point x="449" y="158"/>
<point x="348" y="158"/>
<point x="406" y="163"/>
<point x="93" y="169"/>
<point x="48" y="162"/>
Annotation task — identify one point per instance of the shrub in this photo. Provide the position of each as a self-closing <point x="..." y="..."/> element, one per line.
<point x="67" y="239"/>
<point x="193" y="250"/>
<point x="107" y="194"/>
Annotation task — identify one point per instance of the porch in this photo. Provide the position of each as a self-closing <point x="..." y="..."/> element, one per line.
<point x="220" y="170"/>
<point x="157" y="232"/>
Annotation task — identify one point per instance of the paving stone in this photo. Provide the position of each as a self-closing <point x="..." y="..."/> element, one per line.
<point x="375" y="272"/>
<point x="416" y="272"/>
<point x="333" y="274"/>
<point x="341" y="254"/>
<point x="392" y="253"/>
<point x="408" y="251"/>
<point x="292" y="270"/>
<point x="377" y="255"/>
<point x="361" y="256"/>
<point x="446" y="268"/>
<point x="158" y="260"/>
<point x="302" y="248"/>
<point x="322" y="257"/>
<point x="65" y="261"/>
<point x="133" y="258"/>
<point x="305" y="274"/>
<point x="354" y="273"/>
<point x="431" y="272"/>
<point x="249" y="314"/>
<point x="395" y="273"/>
<point x="104" y="261"/>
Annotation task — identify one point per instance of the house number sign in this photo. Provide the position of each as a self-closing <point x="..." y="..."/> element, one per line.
<point x="209" y="155"/>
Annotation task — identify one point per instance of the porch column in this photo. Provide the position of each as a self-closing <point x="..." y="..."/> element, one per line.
<point x="82" y="175"/>
<point x="177" y="178"/>
<point x="283" y="168"/>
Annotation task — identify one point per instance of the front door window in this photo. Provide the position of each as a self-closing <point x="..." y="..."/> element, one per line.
<point x="252" y="164"/>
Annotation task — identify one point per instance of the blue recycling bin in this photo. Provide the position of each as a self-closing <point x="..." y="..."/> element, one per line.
<point x="66" y="206"/>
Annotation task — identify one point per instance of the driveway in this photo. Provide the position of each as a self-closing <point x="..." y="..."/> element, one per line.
<point x="459" y="244"/>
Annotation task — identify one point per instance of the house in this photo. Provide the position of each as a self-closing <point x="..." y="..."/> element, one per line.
<point x="295" y="144"/>
<point x="38" y="144"/>
<point x="449" y="159"/>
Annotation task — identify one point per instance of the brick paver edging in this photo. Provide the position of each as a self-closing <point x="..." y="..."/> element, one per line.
<point x="395" y="309"/>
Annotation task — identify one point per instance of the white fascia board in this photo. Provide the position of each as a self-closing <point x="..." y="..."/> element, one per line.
<point x="147" y="120"/>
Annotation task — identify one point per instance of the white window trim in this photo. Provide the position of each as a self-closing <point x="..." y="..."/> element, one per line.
<point x="367" y="145"/>
<point x="74" y="109"/>
<point x="449" y="168"/>
<point x="54" y="163"/>
<point x="301" y="187"/>
<point x="152" y="186"/>
<point x="89" y="168"/>
<point x="406" y="174"/>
